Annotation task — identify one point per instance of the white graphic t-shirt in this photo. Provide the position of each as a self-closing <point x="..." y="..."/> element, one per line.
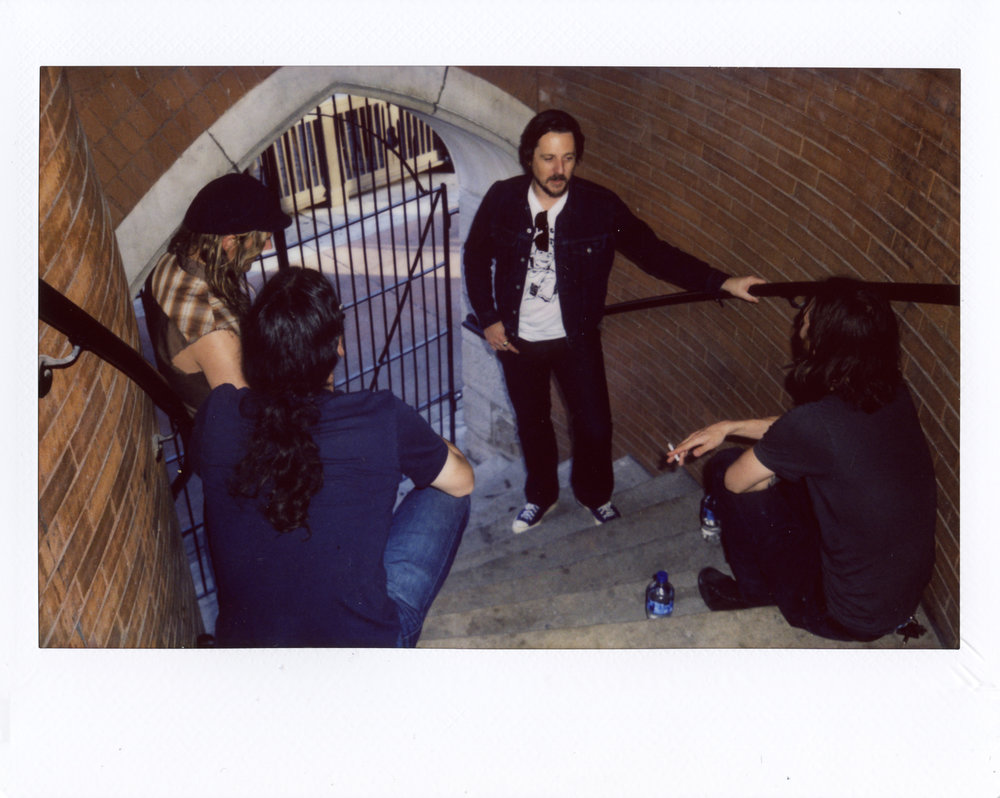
<point x="541" y="316"/>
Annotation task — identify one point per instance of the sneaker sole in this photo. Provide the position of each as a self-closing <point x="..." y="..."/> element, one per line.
<point x="518" y="531"/>
<point x="598" y="522"/>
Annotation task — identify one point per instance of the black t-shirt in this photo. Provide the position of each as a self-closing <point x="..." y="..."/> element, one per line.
<point x="327" y="588"/>
<point x="872" y="487"/>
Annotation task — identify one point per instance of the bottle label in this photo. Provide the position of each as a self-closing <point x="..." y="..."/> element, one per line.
<point x="658" y="607"/>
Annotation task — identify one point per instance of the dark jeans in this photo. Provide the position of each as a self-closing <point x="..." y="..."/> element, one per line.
<point x="579" y="373"/>
<point x="772" y="544"/>
<point x="423" y="540"/>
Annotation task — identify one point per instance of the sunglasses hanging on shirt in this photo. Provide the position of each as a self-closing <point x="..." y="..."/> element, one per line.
<point x="542" y="223"/>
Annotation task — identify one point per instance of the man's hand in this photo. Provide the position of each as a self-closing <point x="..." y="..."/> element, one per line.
<point x="739" y="287"/>
<point x="704" y="440"/>
<point x="496" y="337"/>
<point x="697" y="443"/>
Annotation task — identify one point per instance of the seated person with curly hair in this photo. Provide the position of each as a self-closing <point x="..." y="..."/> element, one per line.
<point x="830" y="515"/>
<point x="300" y="487"/>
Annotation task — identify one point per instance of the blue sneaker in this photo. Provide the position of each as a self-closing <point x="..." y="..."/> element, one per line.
<point x="531" y="515"/>
<point x="710" y="528"/>
<point x="606" y="512"/>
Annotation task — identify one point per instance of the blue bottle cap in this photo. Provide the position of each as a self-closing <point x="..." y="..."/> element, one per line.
<point x="661" y="576"/>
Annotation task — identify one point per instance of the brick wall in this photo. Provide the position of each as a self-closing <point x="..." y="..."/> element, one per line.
<point x="138" y="120"/>
<point x="791" y="174"/>
<point x="111" y="570"/>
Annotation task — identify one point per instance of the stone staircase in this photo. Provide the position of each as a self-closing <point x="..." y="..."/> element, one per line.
<point x="571" y="584"/>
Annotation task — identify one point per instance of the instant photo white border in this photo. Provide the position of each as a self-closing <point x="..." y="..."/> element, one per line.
<point x="502" y="723"/>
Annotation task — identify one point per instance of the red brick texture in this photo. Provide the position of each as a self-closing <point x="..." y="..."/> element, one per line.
<point x="138" y="120"/>
<point x="111" y="569"/>
<point x="791" y="174"/>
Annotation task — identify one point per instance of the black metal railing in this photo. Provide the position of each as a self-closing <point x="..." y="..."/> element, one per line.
<point x="930" y="293"/>
<point x="794" y="292"/>
<point x="85" y="333"/>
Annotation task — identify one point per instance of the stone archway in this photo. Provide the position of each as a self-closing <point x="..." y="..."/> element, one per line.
<point x="478" y="122"/>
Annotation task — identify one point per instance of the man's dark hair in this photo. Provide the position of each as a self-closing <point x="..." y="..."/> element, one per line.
<point x="289" y="339"/>
<point x="551" y="121"/>
<point x="851" y="347"/>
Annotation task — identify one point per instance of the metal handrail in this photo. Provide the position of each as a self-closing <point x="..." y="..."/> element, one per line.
<point x="928" y="293"/>
<point x="87" y="333"/>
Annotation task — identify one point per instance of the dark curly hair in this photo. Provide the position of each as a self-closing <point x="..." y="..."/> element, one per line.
<point x="551" y="121"/>
<point x="850" y="346"/>
<point x="290" y="341"/>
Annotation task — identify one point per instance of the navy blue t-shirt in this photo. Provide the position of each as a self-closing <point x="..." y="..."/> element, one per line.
<point x="872" y="488"/>
<point x="327" y="588"/>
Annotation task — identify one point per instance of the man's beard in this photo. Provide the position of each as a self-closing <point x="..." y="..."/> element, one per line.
<point x="562" y="190"/>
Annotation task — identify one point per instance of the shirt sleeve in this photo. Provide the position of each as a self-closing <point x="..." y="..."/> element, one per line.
<point x="797" y="445"/>
<point x="477" y="259"/>
<point x="422" y="452"/>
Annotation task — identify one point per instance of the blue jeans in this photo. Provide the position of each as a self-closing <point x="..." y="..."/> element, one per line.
<point x="423" y="539"/>
<point x="772" y="544"/>
<point x="580" y="376"/>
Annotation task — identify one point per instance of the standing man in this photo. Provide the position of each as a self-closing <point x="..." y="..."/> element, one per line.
<point x="542" y="309"/>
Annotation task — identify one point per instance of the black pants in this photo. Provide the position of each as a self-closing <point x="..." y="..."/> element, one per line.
<point x="580" y="377"/>
<point x="772" y="544"/>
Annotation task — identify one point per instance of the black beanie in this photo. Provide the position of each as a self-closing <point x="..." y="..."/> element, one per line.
<point x="235" y="203"/>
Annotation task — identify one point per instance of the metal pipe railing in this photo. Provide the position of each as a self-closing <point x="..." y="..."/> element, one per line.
<point x="85" y="333"/>
<point x="928" y="293"/>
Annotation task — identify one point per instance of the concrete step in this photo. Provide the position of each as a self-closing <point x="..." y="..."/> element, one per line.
<point x="760" y="627"/>
<point x="495" y="503"/>
<point x="630" y="549"/>
<point x="609" y="604"/>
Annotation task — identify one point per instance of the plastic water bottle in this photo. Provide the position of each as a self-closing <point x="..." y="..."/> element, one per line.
<point x="659" y="596"/>
<point x="710" y="527"/>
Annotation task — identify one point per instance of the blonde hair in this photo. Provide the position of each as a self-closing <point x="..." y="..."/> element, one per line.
<point x="224" y="274"/>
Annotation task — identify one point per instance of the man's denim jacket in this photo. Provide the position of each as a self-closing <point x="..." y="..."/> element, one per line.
<point x="593" y="224"/>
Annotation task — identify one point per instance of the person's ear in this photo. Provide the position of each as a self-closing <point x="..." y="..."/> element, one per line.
<point x="340" y="346"/>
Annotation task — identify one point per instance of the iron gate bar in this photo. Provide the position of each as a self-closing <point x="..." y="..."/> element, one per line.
<point x="409" y="283"/>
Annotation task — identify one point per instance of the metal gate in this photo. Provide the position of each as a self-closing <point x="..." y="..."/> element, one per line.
<point x="358" y="177"/>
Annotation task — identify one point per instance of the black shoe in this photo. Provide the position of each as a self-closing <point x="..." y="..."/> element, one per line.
<point x="720" y="592"/>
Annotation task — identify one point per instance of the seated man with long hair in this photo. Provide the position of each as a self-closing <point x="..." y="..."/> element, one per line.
<point x="300" y="485"/>
<point x="830" y="515"/>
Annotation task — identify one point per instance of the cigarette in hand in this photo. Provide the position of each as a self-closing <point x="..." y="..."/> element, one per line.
<point x="676" y="458"/>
